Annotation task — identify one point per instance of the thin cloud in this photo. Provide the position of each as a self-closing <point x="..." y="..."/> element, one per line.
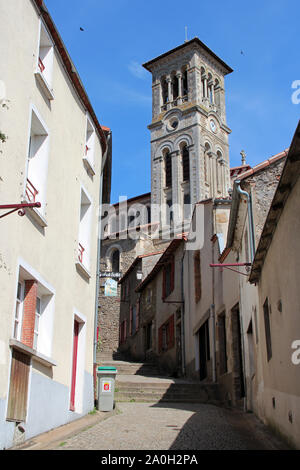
<point x="137" y="70"/>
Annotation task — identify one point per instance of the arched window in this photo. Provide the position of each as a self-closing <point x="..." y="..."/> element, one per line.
<point x="175" y="86"/>
<point x="115" y="261"/>
<point x="203" y="83"/>
<point x="168" y="169"/>
<point x="184" y="82"/>
<point x="206" y="163"/>
<point x="217" y="90"/>
<point x="149" y="214"/>
<point x="210" y="86"/>
<point x="185" y="163"/>
<point x="218" y="170"/>
<point x="164" y="90"/>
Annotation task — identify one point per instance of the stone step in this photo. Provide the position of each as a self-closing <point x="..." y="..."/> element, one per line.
<point x="166" y="390"/>
<point x="133" y="368"/>
<point x="190" y="388"/>
<point x="168" y="396"/>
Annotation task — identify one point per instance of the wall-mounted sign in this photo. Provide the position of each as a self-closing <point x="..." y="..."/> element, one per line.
<point x="111" y="288"/>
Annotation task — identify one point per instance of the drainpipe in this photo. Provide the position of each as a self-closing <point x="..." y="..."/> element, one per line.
<point x="212" y="314"/>
<point x="250" y="217"/>
<point x="98" y="261"/>
<point x="182" y="316"/>
<point x="252" y="250"/>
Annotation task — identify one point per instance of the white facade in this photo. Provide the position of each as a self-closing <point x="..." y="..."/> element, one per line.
<point x="54" y="247"/>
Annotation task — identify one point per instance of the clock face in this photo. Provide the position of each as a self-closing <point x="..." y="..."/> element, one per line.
<point x="213" y="125"/>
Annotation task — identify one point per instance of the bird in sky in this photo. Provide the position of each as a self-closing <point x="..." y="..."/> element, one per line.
<point x="81" y="29"/>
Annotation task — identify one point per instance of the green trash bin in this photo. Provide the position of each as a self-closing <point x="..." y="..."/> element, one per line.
<point x="106" y="387"/>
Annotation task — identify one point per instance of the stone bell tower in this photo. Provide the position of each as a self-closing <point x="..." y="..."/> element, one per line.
<point x="189" y="134"/>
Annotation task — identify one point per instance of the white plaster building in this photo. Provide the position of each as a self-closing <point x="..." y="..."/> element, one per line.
<point x="55" y="154"/>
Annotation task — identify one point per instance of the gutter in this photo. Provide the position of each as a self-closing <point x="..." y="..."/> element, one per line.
<point x="98" y="258"/>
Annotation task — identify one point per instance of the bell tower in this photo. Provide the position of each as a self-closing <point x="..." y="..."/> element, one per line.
<point x="189" y="134"/>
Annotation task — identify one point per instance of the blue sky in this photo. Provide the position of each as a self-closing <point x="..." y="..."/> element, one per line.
<point x="120" y="35"/>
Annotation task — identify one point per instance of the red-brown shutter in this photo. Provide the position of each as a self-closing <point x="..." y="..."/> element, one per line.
<point x="18" y="387"/>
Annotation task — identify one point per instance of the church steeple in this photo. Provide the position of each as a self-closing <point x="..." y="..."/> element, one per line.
<point x="189" y="134"/>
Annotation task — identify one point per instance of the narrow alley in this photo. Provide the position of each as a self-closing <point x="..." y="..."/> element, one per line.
<point x="155" y="412"/>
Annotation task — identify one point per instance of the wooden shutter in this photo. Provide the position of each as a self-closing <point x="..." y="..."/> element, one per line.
<point x="18" y="388"/>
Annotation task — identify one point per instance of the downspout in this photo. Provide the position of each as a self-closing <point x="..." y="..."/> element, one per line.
<point x="98" y="262"/>
<point x="182" y="316"/>
<point x="250" y="217"/>
<point x="252" y="251"/>
<point x="212" y="314"/>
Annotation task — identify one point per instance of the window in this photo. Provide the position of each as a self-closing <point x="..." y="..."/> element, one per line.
<point x="166" y="335"/>
<point x="175" y="86"/>
<point x="197" y="276"/>
<point x="133" y="320"/>
<point x="184" y="83"/>
<point x="44" y="71"/>
<point x="206" y="163"/>
<point x="36" y="322"/>
<point x="185" y="163"/>
<point x="164" y="90"/>
<point x="187" y="205"/>
<point x="33" y="322"/>
<point x="222" y="343"/>
<point x="115" y="262"/>
<point x="85" y="230"/>
<point x="37" y="168"/>
<point x="168" y="170"/>
<point x="168" y="278"/>
<point x="89" y="146"/>
<point x="266" y="309"/>
<point x="18" y="311"/>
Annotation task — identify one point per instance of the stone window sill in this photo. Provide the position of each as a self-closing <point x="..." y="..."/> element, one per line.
<point x="89" y="166"/>
<point x="37" y="356"/>
<point x="44" y="84"/>
<point x="82" y="269"/>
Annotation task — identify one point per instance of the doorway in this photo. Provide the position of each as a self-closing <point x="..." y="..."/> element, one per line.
<point x="74" y="365"/>
<point x="204" y="350"/>
<point x="238" y="368"/>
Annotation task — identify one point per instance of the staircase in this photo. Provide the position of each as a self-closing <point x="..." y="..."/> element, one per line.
<point x="142" y="382"/>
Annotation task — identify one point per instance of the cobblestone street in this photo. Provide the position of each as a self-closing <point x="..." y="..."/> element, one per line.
<point x="146" y="426"/>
